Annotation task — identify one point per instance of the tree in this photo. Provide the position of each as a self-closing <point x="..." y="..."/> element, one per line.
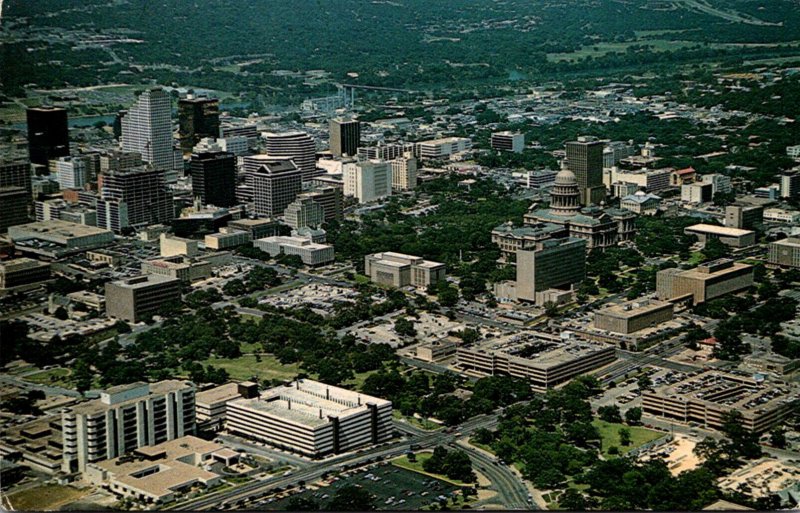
<point x="777" y="437"/>
<point x="550" y="309"/>
<point x="610" y="414"/>
<point x="81" y="376"/>
<point x="300" y="503"/>
<point x="61" y="314"/>
<point x="633" y="416"/>
<point x="572" y="500"/>
<point x="351" y="498"/>
<point x="624" y="436"/>
<point x="404" y="327"/>
<point x="643" y="382"/>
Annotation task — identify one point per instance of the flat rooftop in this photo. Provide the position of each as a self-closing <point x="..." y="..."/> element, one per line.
<point x="222" y="393"/>
<point x="144" y="280"/>
<point x="539" y="350"/>
<point x="309" y="403"/>
<point x="743" y="393"/>
<point x="634" y="308"/>
<point x="718" y="230"/>
<point x="156" y="389"/>
<point x="59" y="229"/>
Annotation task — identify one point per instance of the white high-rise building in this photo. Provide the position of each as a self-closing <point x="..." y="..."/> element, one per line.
<point x="368" y="181"/>
<point x="147" y="129"/>
<point x="404" y="173"/>
<point x="71" y="172"/>
<point x="298" y="146"/>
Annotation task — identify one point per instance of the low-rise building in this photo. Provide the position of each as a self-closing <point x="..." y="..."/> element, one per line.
<point x="442" y="148"/>
<point x="650" y="180"/>
<point x="309" y="252"/>
<point x="641" y="203"/>
<point x="58" y="238"/>
<point x="176" y="246"/>
<point x="22" y="271"/>
<point x="705" y="282"/>
<point x="733" y="237"/>
<point x="312" y="418"/>
<point x="185" y="269"/>
<point x="627" y="318"/>
<point x="777" y="215"/>
<point x="544" y="360"/>
<point x="227" y="238"/>
<point x="212" y="404"/>
<point x="785" y="253"/>
<point x="134" y="299"/>
<point x="400" y="270"/>
<point x="257" y="228"/>
<point x="511" y="239"/>
<point x="706" y="399"/>
<point x="436" y="350"/>
<point x="744" y="217"/>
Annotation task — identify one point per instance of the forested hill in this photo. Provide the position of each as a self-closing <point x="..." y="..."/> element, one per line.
<point x="387" y="42"/>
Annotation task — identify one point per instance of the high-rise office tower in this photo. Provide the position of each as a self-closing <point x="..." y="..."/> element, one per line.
<point x="198" y="117"/>
<point x="585" y="159"/>
<point x="72" y="172"/>
<point x="345" y="137"/>
<point x="404" y="173"/>
<point x="147" y="129"/>
<point x="331" y="199"/>
<point x="276" y="184"/>
<point x="15" y="173"/>
<point x="14" y="202"/>
<point x="214" y="178"/>
<point x="48" y="134"/>
<point x="297" y="146"/>
<point x="369" y="180"/>
<point x="137" y="197"/>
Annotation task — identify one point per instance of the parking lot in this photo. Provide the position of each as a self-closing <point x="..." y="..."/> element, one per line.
<point x="394" y="489"/>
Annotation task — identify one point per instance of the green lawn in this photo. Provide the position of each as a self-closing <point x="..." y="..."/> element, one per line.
<point x="609" y="435"/>
<point x="245" y="367"/>
<point x="416" y="466"/>
<point x="43" y="498"/>
<point x="57" y="376"/>
<point x="425" y="424"/>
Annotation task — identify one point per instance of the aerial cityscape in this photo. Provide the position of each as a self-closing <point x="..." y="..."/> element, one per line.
<point x="401" y="255"/>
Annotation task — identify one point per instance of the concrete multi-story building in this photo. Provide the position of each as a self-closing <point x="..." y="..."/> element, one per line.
<point x="227" y="238"/>
<point x="214" y="178"/>
<point x="744" y="217"/>
<point x="368" y="180"/>
<point x="386" y="151"/>
<point x="22" y="271"/>
<point x="793" y="152"/>
<point x="649" y="180"/>
<point x="304" y="211"/>
<point x="58" y="238"/>
<point x="550" y="264"/>
<point x="544" y="360"/>
<point x="615" y="151"/>
<point x="237" y="145"/>
<point x="249" y="132"/>
<point x="345" y="137"/>
<point x="134" y="198"/>
<point x="298" y="146"/>
<point x="48" y="134"/>
<point x="511" y="239"/>
<point x="257" y="228"/>
<point x="276" y="183"/>
<point x="707" y="398"/>
<point x="442" y="148"/>
<point x="14" y="204"/>
<point x="169" y="245"/>
<point x="57" y="208"/>
<point x="790" y="185"/>
<point x="585" y="160"/>
<point x="705" y="282"/>
<point x="125" y="418"/>
<point x="697" y="193"/>
<point x="400" y="270"/>
<point x="212" y="404"/>
<point x="627" y="318"/>
<point x="113" y="161"/>
<point x="187" y="270"/>
<point x="71" y="172"/>
<point x="16" y="173"/>
<point x="508" y="141"/>
<point x="310" y="253"/>
<point x="720" y="183"/>
<point x="777" y="215"/>
<point x="641" y="203"/>
<point x="404" y="173"/>
<point x="198" y="117"/>
<point x="147" y="129"/>
<point x="332" y="201"/>
<point x="540" y="178"/>
<point x="733" y="237"/>
<point x="133" y="299"/>
<point x="312" y="418"/>
<point x="785" y="252"/>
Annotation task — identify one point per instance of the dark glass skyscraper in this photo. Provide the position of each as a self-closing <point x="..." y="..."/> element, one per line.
<point x="197" y="118"/>
<point x="345" y="137"/>
<point x="214" y="178"/>
<point x="48" y="134"/>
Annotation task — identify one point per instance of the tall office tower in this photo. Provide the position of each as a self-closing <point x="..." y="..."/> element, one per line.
<point x="124" y="418"/>
<point x="16" y="173"/>
<point x="214" y="178"/>
<point x="345" y="137"/>
<point x="552" y="263"/>
<point x="71" y="172"/>
<point x="790" y="185"/>
<point x="368" y="181"/>
<point x="137" y="197"/>
<point x="331" y="199"/>
<point x="297" y="146"/>
<point x="14" y="202"/>
<point x="508" y="141"/>
<point x="585" y="158"/>
<point x="404" y="173"/>
<point x="48" y="134"/>
<point x="276" y="183"/>
<point x="304" y="211"/>
<point x="147" y="129"/>
<point x="198" y="117"/>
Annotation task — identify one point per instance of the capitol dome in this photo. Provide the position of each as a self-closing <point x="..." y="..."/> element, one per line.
<point x="566" y="177"/>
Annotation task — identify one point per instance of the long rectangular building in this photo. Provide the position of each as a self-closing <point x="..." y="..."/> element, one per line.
<point x="400" y="270"/>
<point x="544" y="360"/>
<point x="312" y="418"/>
<point x="705" y="282"/>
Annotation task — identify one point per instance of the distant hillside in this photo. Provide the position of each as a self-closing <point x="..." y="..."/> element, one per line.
<point x="387" y="42"/>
